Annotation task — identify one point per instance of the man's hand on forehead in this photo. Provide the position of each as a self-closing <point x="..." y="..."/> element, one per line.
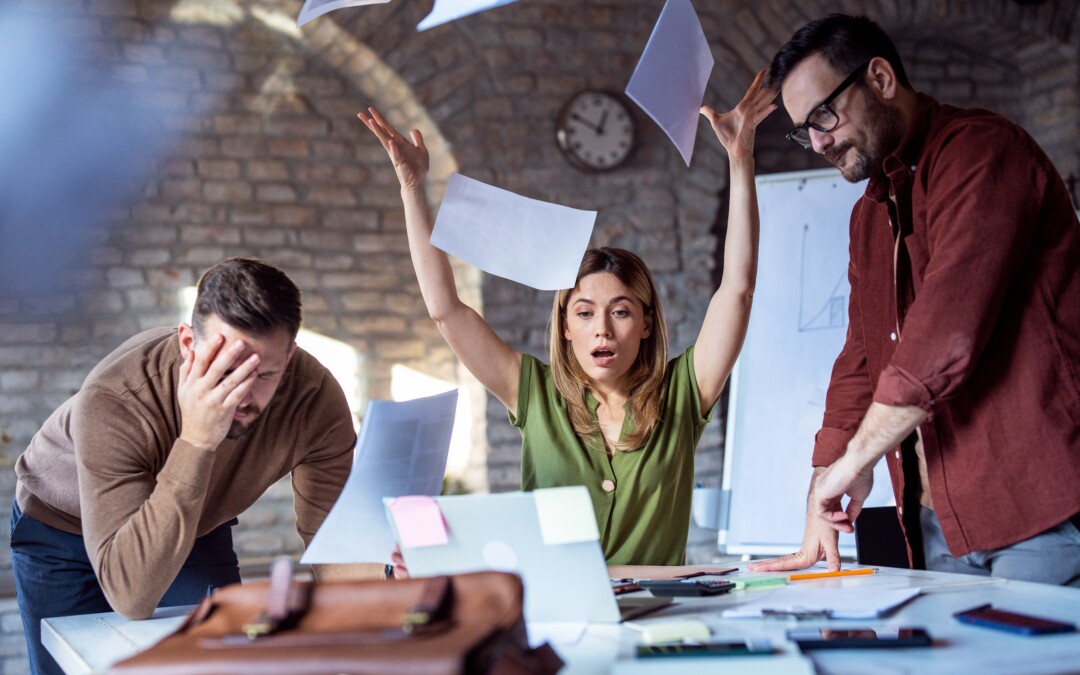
<point x="214" y="381"/>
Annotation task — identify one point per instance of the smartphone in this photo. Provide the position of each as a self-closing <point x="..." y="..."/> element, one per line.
<point x="688" y="587"/>
<point x="859" y="638"/>
<point x="1013" y="622"/>
<point x="706" y="649"/>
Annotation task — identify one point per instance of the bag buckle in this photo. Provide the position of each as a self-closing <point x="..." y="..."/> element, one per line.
<point x="413" y="620"/>
<point x="263" y="625"/>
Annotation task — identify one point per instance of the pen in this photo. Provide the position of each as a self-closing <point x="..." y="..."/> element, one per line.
<point x="827" y="575"/>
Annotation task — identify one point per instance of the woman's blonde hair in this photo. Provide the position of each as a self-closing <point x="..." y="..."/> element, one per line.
<point x="644" y="380"/>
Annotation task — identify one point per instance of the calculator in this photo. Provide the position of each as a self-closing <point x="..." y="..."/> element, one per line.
<point x="686" y="587"/>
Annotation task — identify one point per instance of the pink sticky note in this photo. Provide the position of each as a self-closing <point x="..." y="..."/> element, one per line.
<point x="419" y="521"/>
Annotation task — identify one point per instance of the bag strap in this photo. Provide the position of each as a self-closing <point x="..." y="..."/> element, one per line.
<point x="283" y="607"/>
<point x="431" y="609"/>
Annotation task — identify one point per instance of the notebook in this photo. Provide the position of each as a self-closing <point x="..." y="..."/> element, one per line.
<point x="548" y="537"/>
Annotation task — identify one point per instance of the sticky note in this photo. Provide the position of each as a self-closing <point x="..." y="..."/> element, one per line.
<point x="758" y="582"/>
<point x="418" y="521"/>
<point x="566" y="515"/>
<point x="661" y="632"/>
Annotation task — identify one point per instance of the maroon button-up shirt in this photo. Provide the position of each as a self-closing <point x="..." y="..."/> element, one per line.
<point x="965" y="302"/>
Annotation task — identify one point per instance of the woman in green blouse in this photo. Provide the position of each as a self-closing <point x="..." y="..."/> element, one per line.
<point x="610" y="412"/>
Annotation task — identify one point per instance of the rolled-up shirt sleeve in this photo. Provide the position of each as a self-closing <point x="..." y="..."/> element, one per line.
<point x="980" y="212"/>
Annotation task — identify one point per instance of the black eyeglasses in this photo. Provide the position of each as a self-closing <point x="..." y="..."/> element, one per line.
<point x="823" y="117"/>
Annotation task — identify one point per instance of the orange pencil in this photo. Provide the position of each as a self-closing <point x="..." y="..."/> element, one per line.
<point x="826" y="575"/>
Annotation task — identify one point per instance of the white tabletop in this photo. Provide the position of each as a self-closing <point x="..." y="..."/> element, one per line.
<point x="90" y="643"/>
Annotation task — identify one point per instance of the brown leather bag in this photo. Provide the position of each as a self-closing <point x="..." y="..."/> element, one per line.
<point x="467" y="623"/>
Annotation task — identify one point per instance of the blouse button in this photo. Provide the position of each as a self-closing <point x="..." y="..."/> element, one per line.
<point x="608" y="485"/>
<point x="892" y="336"/>
<point x="898" y="454"/>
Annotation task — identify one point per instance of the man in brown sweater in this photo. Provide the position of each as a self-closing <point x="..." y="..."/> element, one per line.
<point x="126" y="496"/>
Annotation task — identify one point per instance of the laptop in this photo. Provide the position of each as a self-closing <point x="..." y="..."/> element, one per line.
<point x="560" y="560"/>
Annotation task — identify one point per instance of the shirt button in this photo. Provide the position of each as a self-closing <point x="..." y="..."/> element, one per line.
<point x="898" y="454"/>
<point x="608" y="485"/>
<point x="900" y="510"/>
<point x="892" y="336"/>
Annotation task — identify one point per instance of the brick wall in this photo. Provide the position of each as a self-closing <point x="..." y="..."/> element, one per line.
<point x="267" y="159"/>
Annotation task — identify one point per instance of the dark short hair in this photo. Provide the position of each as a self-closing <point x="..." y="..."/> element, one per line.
<point x="846" y="42"/>
<point x="250" y="295"/>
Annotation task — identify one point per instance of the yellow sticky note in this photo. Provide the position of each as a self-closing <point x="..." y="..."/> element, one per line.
<point x="566" y="515"/>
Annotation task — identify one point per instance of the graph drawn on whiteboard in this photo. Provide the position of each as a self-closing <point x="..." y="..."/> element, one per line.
<point x="777" y="390"/>
<point x="817" y="310"/>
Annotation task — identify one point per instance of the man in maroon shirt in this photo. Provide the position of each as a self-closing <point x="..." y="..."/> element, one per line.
<point x="962" y="360"/>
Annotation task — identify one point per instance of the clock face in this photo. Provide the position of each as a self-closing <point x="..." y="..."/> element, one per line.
<point x="595" y="131"/>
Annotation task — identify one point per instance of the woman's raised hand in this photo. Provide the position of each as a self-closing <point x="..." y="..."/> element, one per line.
<point x="410" y="158"/>
<point x="736" y="128"/>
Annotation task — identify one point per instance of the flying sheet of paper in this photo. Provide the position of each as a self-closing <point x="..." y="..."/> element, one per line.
<point x="670" y="78"/>
<point x="314" y="8"/>
<point x="446" y="11"/>
<point x="852" y="602"/>
<point x="418" y="521"/>
<point x="535" y="243"/>
<point x="565" y="515"/>
<point x="401" y="450"/>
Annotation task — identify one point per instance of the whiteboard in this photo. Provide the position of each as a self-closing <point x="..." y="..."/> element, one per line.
<point x="777" y="391"/>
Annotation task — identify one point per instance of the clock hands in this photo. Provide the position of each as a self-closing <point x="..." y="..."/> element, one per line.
<point x="597" y="127"/>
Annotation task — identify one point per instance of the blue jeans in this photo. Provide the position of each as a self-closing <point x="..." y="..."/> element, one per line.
<point x="1050" y="557"/>
<point x="53" y="577"/>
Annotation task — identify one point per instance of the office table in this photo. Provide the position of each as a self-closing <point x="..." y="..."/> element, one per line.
<point x="90" y="643"/>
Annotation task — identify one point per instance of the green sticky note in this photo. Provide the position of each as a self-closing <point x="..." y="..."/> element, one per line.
<point x="758" y="582"/>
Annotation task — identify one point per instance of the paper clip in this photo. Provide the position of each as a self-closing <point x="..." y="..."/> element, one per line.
<point x="797" y="613"/>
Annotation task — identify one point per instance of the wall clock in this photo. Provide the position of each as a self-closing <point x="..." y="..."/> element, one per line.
<point x="595" y="131"/>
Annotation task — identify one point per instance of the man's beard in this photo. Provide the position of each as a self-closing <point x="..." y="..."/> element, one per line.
<point x="886" y="130"/>
<point x="239" y="429"/>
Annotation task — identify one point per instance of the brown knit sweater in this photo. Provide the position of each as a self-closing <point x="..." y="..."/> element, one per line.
<point x="108" y="465"/>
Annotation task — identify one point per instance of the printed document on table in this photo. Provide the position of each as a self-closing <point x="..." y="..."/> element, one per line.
<point x="851" y="602"/>
<point x="670" y="78"/>
<point x="314" y="8"/>
<point x="401" y="450"/>
<point x="446" y="11"/>
<point x="535" y="243"/>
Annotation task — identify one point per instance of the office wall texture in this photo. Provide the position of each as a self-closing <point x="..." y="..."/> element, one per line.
<point x="265" y="158"/>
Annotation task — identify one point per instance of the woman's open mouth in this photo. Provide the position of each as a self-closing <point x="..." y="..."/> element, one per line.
<point x="602" y="356"/>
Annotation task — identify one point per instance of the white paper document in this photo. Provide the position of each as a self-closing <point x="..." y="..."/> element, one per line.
<point x="535" y="243"/>
<point x="446" y="11"/>
<point x="670" y="78"/>
<point x="314" y="8"/>
<point x="401" y="450"/>
<point x="852" y="602"/>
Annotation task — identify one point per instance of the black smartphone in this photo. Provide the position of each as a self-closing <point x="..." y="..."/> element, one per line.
<point x="859" y="638"/>
<point x="705" y="649"/>
<point x="688" y="587"/>
<point x="1013" y="622"/>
